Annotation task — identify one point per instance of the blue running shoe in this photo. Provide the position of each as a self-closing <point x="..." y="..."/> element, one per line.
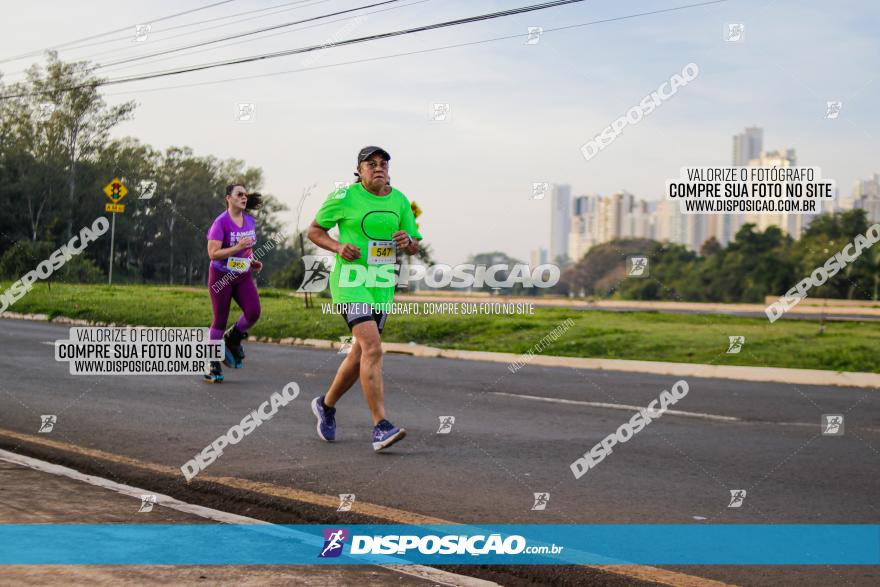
<point x="385" y="434"/>
<point x="234" y="351"/>
<point x="215" y="374"/>
<point x="326" y="419"/>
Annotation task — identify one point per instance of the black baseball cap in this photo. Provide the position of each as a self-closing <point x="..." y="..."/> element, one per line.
<point x="368" y="152"/>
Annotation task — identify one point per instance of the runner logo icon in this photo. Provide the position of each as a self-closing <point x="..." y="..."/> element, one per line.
<point x="446" y="423"/>
<point x="333" y="542"/>
<point x="540" y="189"/>
<point x="737" y="497"/>
<point x="832" y="424"/>
<point x="534" y="35"/>
<point x="47" y="423"/>
<point x="147" y="503"/>
<point x="318" y="268"/>
<point x="736" y="344"/>
<point x="346" y="342"/>
<point x="346" y="500"/>
<point x="832" y="109"/>
<point x="541" y="500"/>
<point x="734" y="33"/>
<point x="637" y="266"/>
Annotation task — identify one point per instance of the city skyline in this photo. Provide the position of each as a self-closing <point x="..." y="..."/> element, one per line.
<point x="592" y="219"/>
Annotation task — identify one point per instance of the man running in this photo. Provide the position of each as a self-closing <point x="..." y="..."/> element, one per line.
<point x="375" y="224"/>
<point x="230" y="276"/>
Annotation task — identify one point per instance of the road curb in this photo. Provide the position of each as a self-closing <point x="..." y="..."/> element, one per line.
<point x="438" y="576"/>
<point x="757" y="374"/>
<point x="389" y="515"/>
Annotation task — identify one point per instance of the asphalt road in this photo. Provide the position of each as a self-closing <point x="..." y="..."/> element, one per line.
<point x="502" y="448"/>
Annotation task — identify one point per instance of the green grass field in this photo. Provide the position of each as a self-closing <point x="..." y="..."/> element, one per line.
<point x="647" y="336"/>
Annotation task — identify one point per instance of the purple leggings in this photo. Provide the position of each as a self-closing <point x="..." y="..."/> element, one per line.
<point x="224" y="287"/>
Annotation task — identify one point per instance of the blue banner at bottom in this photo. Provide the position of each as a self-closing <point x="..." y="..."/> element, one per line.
<point x="268" y="544"/>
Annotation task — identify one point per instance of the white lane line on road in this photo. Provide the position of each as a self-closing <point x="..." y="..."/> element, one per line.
<point x="557" y="400"/>
<point x="717" y="418"/>
<point x="438" y="576"/>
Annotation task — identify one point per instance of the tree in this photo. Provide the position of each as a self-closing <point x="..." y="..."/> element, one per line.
<point x="56" y="156"/>
<point x="81" y="120"/>
<point x="603" y="268"/>
<point x="498" y="258"/>
<point x="30" y="150"/>
<point x="825" y="237"/>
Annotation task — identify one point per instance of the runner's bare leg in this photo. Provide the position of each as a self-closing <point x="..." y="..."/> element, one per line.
<point x="367" y="335"/>
<point x="346" y="376"/>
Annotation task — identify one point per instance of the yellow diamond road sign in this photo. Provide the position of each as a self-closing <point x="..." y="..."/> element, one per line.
<point x="115" y="190"/>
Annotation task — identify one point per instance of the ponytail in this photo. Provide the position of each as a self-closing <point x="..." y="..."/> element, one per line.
<point x="254" y="201"/>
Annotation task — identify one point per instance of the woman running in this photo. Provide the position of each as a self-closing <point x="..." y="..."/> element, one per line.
<point x="376" y="223"/>
<point x="230" y="276"/>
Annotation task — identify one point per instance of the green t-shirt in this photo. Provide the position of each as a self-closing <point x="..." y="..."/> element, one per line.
<point x="368" y="222"/>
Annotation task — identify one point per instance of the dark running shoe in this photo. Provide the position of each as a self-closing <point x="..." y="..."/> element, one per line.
<point x="385" y="434"/>
<point x="234" y="351"/>
<point x="326" y="419"/>
<point x="215" y="375"/>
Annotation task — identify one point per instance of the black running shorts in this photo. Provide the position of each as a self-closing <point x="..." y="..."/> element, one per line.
<point x="357" y="313"/>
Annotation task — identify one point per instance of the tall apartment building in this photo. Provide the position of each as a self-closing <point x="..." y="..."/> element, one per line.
<point x="866" y="195"/>
<point x="585" y="232"/>
<point x="673" y="226"/>
<point x="600" y="219"/>
<point x="538" y="256"/>
<point x="668" y="222"/>
<point x="560" y="221"/>
<point x="747" y="146"/>
<point x="791" y="223"/>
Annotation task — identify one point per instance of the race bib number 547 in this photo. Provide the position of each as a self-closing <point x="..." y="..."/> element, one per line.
<point x="381" y="253"/>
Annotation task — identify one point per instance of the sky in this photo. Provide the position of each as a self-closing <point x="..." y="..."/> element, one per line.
<point x="519" y="113"/>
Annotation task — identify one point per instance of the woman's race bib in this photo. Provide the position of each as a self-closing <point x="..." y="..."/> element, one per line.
<point x="238" y="264"/>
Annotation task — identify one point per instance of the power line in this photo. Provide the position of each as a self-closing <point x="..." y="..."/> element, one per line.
<point x="369" y="38"/>
<point x="209" y="20"/>
<point x="119" y="30"/>
<point x="186" y="25"/>
<point x="247" y="34"/>
<point x="457" y="22"/>
<point x="282" y="33"/>
<point x="418" y="52"/>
